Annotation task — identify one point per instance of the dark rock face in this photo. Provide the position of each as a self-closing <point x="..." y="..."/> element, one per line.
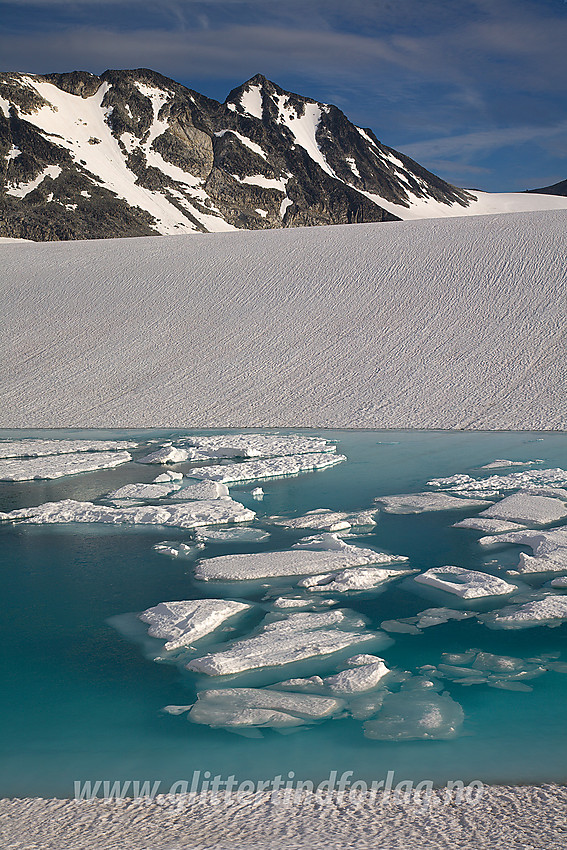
<point x="140" y="154"/>
<point x="557" y="189"/>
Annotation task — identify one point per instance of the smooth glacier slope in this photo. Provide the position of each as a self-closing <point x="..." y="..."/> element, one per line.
<point x="432" y="324"/>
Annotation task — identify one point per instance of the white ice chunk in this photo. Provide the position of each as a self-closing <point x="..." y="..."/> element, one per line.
<point x="164" y="477"/>
<point x="176" y="550"/>
<point x="416" y="503"/>
<point x="527" y="508"/>
<point x="284" y="603"/>
<point x="183" y="623"/>
<point x="352" y="579"/>
<point x="513" y="481"/>
<point x="503" y="464"/>
<point x="56" y="466"/>
<point x="202" y="490"/>
<point x="467" y="584"/>
<point x="297" y="562"/>
<point x="144" y="491"/>
<point x="488" y="526"/>
<point x="413" y="715"/>
<point x="364" y="677"/>
<point x="298" y="637"/>
<point x="277" y="467"/>
<point x="167" y="454"/>
<point x="549" y="549"/>
<point x="258" y="493"/>
<point x="559" y="582"/>
<point x="41" y="448"/>
<point x="327" y="520"/>
<point x="233" y="535"/>
<point x="221" y="713"/>
<point x="549" y="611"/>
<point x="307" y="707"/>
<point x="185" y="515"/>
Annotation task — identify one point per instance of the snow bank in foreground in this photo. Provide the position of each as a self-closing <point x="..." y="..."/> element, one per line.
<point x="295" y="353"/>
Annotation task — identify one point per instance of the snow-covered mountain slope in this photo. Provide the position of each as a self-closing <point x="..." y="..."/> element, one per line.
<point x="134" y="153"/>
<point x="426" y="324"/>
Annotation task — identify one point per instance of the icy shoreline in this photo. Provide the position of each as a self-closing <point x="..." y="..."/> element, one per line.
<point x="504" y="818"/>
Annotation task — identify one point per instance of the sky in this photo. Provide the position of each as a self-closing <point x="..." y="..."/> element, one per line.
<point x="474" y="90"/>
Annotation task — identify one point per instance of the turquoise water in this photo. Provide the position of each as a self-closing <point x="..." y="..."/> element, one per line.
<point x="82" y="702"/>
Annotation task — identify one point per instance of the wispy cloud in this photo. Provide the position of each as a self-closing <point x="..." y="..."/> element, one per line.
<point x="485" y="141"/>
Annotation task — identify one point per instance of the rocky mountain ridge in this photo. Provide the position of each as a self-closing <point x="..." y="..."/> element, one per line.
<point x="133" y="153"/>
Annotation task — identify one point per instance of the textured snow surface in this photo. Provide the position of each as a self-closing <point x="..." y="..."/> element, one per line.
<point x="527" y="508"/>
<point x="181" y="623"/>
<point x="327" y="520"/>
<point x="550" y="611"/>
<point x="185" y="515"/>
<point x="468" y="584"/>
<point x="352" y="579"/>
<point x="259" y="445"/>
<point x="223" y="330"/>
<point x="56" y="466"/>
<point x="504" y="818"/>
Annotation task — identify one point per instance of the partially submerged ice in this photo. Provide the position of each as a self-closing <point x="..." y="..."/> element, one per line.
<point x="365" y="673"/>
<point x="58" y="465"/>
<point x="416" y="714"/>
<point x="417" y="503"/>
<point x="549" y="549"/>
<point x="549" y="611"/>
<point x="182" y="623"/>
<point x="260" y="708"/>
<point x="277" y="467"/>
<point x="475" y="667"/>
<point x="284" y="641"/>
<point x="185" y="515"/>
<point x="488" y="526"/>
<point x="232" y="535"/>
<point x="424" y="620"/>
<point x="315" y="555"/>
<point x="467" y="584"/>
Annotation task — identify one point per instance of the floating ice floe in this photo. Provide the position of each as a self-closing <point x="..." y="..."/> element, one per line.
<point x="559" y="582"/>
<point x="42" y="448"/>
<point x="424" y="620"/>
<point x="183" y="623"/>
<point x="178" y="550"/>
<point x="417" y="503"/>
<point x="527" y="479"/>
<point x="233" y="535"/>
<point x="167" y="454"/>
<point x="503" y="464"/>
<point x="315" y="555"/>
<point x="277" y="467"/>
<point x="144" y="492"/>
<point x="201" y="490"/>
<point x="527" y="508"/>
<point x="286" y="603"/>
<point x="352" y="579"/>
<point x="257" y="493"/>
<point x="186" y="515"/>
<point x="260" y="707"/>
<point x="285" y="641"/>
<point x="549" y="611"/>
<point x="164" y="477"/>
<point x="259" y="445"/>
<point x="327" y="520"/>
<point x="414" y="715"/>
<point x="56" y="466"/>
<point x="488" y="526"/>
<point x="467" y="584"/>
<point x="549" y="549"/>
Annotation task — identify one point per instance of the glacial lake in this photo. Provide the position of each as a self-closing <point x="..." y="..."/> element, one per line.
<point x="83" y="699"/>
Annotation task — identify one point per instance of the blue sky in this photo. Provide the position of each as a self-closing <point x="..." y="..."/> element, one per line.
<point x="474" y="90"/>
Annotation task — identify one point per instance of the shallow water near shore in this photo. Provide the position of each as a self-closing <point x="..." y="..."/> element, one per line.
<point x="83" y="703"/>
